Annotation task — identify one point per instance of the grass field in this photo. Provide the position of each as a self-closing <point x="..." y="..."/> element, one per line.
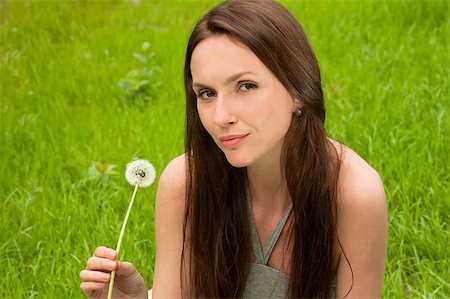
<point x="98" y="81"/>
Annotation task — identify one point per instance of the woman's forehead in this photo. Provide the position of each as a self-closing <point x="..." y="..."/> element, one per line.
<point x="222" y="54"/>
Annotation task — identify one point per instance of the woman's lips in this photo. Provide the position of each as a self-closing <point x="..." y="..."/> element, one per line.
<point x="232" y="140"/>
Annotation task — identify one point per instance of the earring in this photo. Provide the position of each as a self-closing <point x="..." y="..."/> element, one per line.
<point x="298" y="112"/>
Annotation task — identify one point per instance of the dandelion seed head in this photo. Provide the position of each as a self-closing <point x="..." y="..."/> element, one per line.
<point x="140" y="172"/>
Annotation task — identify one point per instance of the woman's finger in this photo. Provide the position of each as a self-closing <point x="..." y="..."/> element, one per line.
<point x="101" y="264"/>
<point x="89" y="287"/>
<point x="126" y="269"/>
<point x="94" y="276"/>
<point x="105" y="252"/>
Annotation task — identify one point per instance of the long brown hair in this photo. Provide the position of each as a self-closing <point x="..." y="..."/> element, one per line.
<point x="217" y="239"/>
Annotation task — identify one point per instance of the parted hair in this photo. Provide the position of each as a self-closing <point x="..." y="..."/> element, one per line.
<point x="217" y="247"/>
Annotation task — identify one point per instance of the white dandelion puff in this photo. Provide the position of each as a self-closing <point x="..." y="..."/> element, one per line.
<point x="140" y="172"/>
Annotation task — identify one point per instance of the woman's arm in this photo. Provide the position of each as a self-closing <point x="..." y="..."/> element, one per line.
<point x="362" y="229"/>
<point x="169" y="217"/>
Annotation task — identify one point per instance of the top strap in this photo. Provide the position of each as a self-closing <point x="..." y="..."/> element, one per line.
<point x="263" y="254"/>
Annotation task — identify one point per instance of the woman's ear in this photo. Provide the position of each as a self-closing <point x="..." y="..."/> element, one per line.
<point x="298" y="106"/>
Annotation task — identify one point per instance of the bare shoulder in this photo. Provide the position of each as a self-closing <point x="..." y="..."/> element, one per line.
<point x="169" y="217"/>
<point x="171" y="196"/>
<point x="170" y="203"/>
<point x="357" y="179"/>
<point x="361" y="227"/>
<point x="360" y="188"/>
<point x="173" y="178"/>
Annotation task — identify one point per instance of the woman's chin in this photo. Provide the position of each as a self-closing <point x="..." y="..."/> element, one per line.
<point x="238" y="162"/>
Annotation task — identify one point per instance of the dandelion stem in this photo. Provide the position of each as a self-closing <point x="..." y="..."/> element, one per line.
<point x="119" y="243"/>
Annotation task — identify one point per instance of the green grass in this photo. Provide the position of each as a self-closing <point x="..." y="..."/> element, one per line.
<point x="385" y="68"/>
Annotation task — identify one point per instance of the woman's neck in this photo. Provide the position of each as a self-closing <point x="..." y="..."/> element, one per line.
<point x="268" y="186"/>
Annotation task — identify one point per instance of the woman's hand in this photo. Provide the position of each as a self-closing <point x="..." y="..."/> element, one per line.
<point x="95" y="278"/>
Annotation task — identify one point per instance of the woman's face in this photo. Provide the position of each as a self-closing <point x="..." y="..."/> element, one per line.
<point x="241" y="104"/>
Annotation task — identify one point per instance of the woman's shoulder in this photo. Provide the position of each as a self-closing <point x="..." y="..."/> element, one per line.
<point x="357" y="179"/>
<point x="173" y="176"/>
<point x="362" y="226"/>
<point x="172" y="186"/>
<point x="361" y="199"/>
<point x="169" y="219"/>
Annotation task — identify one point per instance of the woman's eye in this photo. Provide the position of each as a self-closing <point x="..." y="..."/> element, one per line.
<point x="247" y="86"/>
<point x="205" y="94"/>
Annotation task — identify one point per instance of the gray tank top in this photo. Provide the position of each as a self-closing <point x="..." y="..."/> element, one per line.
<point x="264" y="281"/>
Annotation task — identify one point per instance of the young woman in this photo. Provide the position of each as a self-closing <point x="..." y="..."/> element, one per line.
<point x="262" y="204"/>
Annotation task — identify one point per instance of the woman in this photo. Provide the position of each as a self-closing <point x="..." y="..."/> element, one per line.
<point x="262" y="204"/>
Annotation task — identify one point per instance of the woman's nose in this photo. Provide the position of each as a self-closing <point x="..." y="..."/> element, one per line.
<point x="224" y="115"/>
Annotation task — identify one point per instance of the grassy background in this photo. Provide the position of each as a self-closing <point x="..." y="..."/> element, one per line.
<point x="385" y="68"/>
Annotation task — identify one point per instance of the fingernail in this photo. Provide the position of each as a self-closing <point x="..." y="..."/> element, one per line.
<point x="112" y="264"/>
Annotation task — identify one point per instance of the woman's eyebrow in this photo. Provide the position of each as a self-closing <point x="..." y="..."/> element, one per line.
<point x="237" y="76"/>
<point x="229" y="80"/>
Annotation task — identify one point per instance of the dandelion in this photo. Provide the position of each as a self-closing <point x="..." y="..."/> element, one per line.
<point x="139" y="173"/>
